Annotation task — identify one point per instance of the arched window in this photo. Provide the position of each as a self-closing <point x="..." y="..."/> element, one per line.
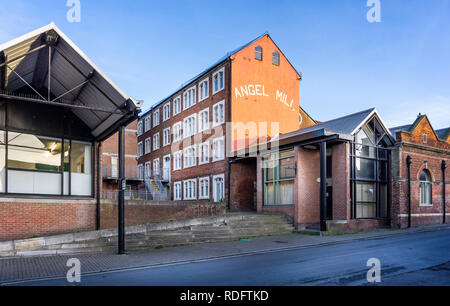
<point x="425" y="188"/>
<point x="276" y="58"/>
<point x="258" y="53"/>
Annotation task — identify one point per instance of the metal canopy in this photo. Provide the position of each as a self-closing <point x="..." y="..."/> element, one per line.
<point x="46" y="67"/>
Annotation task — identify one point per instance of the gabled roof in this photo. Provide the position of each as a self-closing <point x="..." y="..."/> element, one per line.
<point x="211" y="67"/>
<point x="440" y="134"/>
<point x="443" y="134"/>
<point x="76" y="82"/>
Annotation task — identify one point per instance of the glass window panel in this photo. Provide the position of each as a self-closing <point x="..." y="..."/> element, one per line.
<point x="286" y="193"/>
<point x="365" y="151"/>
<point x="365" y="210"/>
<point x="31" y="152"/>
<point x="365" y="169"/>
<point x="365" y="192"/>
<point x="383" y="201"/>
<point x="287" y="168"/>
<point x="383" y="170"/>
<point x="270" y="194"/>
<point x="81" y="158"/>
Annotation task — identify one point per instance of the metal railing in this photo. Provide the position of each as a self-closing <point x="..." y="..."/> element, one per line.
<point x="112" y="172"/>
<point x="137" y="195"/>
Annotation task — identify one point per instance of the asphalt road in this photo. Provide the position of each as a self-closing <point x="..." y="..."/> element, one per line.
<point x="413" y="259"/>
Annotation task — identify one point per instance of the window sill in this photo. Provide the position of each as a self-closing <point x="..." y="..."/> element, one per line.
<point x="278" y="205"/>
<point x="215" y="92"/>
<point x="426" y="205"/>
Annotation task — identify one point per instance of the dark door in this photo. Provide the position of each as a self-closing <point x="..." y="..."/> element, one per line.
<point x="330" y="203"/>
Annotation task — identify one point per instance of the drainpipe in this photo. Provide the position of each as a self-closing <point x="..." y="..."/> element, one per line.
<point x="229" y="185"/>
<point x="97" y="214"/>
<point x="408" y="164"/>
<point x="444" y="207"/>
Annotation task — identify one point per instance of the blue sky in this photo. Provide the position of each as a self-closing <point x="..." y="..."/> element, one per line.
<point x="149" y="48"/>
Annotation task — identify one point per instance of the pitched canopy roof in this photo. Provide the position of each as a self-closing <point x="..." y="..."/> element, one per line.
<point x="345" y="126"/>
<point x="76" y="82"/>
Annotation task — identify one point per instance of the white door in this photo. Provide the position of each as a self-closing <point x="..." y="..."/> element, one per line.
<point x="218" y="189"/>
<point x="166" y="168"/>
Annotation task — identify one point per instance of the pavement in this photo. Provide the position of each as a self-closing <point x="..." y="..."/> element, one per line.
<point x="408" y="257"/>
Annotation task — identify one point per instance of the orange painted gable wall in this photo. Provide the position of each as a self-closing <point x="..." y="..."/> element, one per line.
<point x="262" y="80"/>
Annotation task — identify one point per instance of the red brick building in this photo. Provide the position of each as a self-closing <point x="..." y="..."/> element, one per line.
<point x="110" y="164"/>
<point x="184" y="141"/>
<point x="331" y="175"/>
<point x="419" y="170"/>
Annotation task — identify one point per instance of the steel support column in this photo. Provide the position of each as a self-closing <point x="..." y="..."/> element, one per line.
<point x="323" y="186"/>
<point x="99" y="181"/>
<point x="444" y="206"/>
<point x="122" y="185"/>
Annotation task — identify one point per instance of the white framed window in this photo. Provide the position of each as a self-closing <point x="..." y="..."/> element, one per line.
<point x="147" y="146"/>
<point x="156" y="167"/>
<point x="189" y="97"/>
<point x="147" y="170"/>
<point x="203" y="153"/>
<point x="203" y="120"/>
<point x="190" y="189"/>
<point x="177" y="191"/>
<point x="218" y="149"/>
<point x="190" y="126"/>
<point x="147" y="124"/>
<point x="190" y="157"/>
<point x="140" y="149"/>
<point x="166" y="137"/>
<point x="203" y="90"/>
<point x="426" y="195"/>
<point x="219" y="113"/>
<point x="177" y="132"/>
<point x="203" y="188"/>
<point x="219" y="81"/>
<point x="176" y="105"/>
<point x="156" y="118"/>
<point x="139" y="128"/>
<point x="166" y="111"/>
<point x="177" y="160"/>
<point x="219" y="188"/>
<point x="156" y="142"/>
<point x="140" y="172"/>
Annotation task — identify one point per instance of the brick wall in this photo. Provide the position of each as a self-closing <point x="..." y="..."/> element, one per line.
<point x="425" y="155"/>
<point x="110" y="149"/>
<point x="22" y="219"/>
<point x="421" y="215"/>
<point x="341" y="181"/>
<point x="308" y="201"/>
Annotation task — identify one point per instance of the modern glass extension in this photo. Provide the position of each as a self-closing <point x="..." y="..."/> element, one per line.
<point x="40" y="165"/>
<point x="369" y="172"/>
<point x="279" y="177"/>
